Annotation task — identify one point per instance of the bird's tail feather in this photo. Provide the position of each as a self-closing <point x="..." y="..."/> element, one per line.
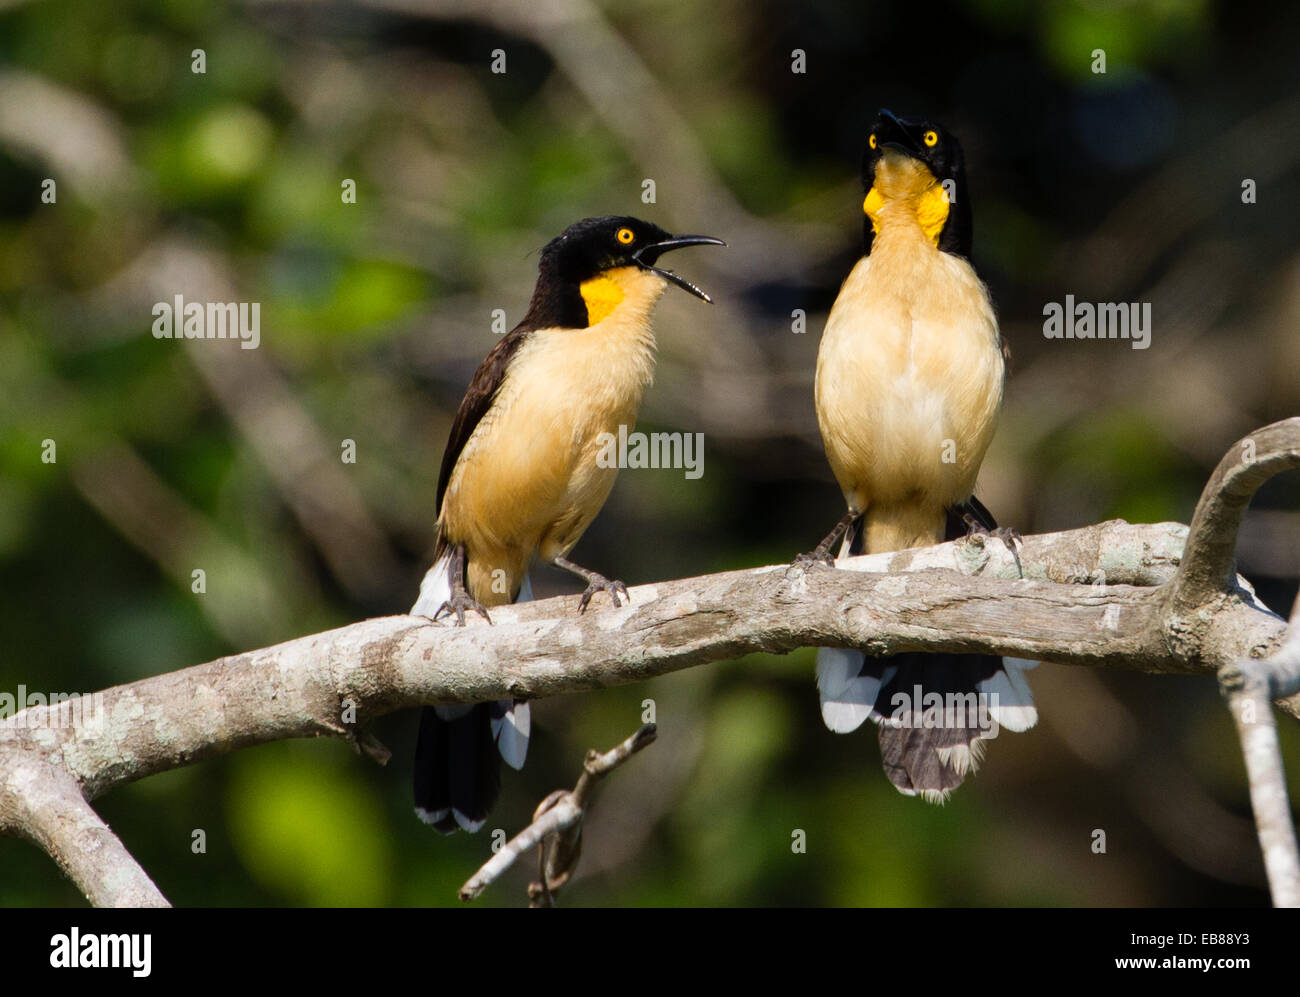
<point x="435" y="588"/>
<point x="460" y="746"/>
<point x="941" y="711"/>
<point x="933" y="711"/>
<point x="457" y="776"/>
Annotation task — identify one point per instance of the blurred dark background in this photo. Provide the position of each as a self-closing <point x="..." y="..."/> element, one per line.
<point x="1123" y="186"/>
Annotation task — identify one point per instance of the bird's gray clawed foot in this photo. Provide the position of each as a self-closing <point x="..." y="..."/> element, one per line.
<point x="461" y="603"/>
<point x="599" y="583"/>
<point x="1010" y="538"/>
<point x="819" y="555"/>
<point x="595" y="583"/>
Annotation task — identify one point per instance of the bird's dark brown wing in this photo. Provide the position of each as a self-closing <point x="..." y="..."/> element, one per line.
<point x="478" y="399"/>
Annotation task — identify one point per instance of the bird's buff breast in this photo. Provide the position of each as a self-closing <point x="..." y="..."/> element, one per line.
<point x="909" y="377"/>
<point x="528" y="478"/>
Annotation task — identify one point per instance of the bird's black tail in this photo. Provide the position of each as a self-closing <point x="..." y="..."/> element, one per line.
<point x="933" y="712"/>
<point x="460" y="748"/>
<point x="458" y="760"/>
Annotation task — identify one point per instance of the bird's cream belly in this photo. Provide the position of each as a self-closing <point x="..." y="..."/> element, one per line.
<point x="537" y="489"/>
<point x="528" y="479"/>
<point x="909" y="387"/>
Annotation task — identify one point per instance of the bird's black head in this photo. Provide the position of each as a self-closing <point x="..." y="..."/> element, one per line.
<point x="934" y="167"/>
<point x="578" y="286"/>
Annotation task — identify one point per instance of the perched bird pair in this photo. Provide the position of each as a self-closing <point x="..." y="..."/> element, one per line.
<point x="909" y="384"/>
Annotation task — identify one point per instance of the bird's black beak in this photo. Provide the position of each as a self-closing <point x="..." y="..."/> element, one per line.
<point x="647" y="256"/>
<point x="891" y="134"/>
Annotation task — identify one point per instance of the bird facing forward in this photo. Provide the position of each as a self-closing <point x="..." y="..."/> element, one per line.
<point x="909" y="384"/>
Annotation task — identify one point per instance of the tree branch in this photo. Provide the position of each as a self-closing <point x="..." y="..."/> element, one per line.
<point x="44" y="803"/>
<point x="1110" y="595"/>
<point x="884" y="604"/>
<point x="1208" y="571"/>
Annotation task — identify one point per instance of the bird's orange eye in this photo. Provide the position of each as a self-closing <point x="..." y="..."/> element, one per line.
<point x="625" y="236"/>
<point x="931" y="138"/>
<point x="872" y="141"/>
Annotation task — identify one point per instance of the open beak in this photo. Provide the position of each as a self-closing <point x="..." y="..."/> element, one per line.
<point x="894" y="136"/>
<point x="647" y="256"/>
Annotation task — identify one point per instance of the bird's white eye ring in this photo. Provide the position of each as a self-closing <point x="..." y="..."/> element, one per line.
<point x="625" y="236"/>
<point x="931" y="138"/>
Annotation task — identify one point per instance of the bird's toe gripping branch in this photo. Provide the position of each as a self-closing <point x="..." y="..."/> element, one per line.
<point x="821" y="554"/>
<point x="602" y="584"/>
<point x="980" y="523"/>
<point x="595" y="583"/>
<point x="460" y="603"/>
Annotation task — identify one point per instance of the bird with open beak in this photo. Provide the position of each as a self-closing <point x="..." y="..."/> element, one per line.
<point x="520" y="475"/>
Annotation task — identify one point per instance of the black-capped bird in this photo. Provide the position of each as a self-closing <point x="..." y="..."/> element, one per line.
<point x="909" y="384"/>
<point x="520" y="474"/>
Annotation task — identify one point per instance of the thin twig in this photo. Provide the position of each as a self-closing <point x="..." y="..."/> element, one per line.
<point x="558" y="818"/>
<point x="563" y="813"/>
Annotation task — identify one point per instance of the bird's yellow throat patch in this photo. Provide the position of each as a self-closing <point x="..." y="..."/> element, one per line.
<point x="931" y="207"/>
<point x="602" y="295"/>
